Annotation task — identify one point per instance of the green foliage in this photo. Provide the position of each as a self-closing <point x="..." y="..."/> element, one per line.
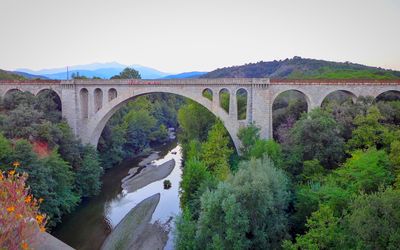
<point x="332" y="73"/>
<point x="369" y="131"/>
<point x="394" y="156"/>
<point x="217" y="161"/>
<point x="270" y="148"/>
<point x="315" y="136"/>
<point x="223" y="223"/>
<point x="312" y="171"/>
<point x="194" y="174"/>
<point x="195" y="121"/>
<point x="374" y="220"/>
<point x="241" y="98"/>
<point x="365" y="171"/>
<point x="324" y="232"/>
<point x="128" y="73"/>
<point x="62" y="199"/>
<point x="89" y="173"/>
<point x="248" y="136"/>
<point x="246" y="211"/>
<point x="224" y="99"/>
<point x="5" y="150"/>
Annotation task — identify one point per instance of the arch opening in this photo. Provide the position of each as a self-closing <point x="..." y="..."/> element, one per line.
<point x="98" y="99"/>
<point x="339" y="97"/>
<point x="50" y="94"/>
<point x="112" y="94"/>
<point x="241" y="98"/>
<point x="224" y="99"/>
<point x="287" y="108"/>
<point x="207" y="93"/>
<point x="84" y="103"/>
<point x="14" y="97"/>
<point x="388" y="96"/>
<point x="102" y="118"/>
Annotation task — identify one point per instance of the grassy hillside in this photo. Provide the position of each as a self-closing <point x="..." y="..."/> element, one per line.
<point x="5" y="75"/>
<point x="304" y="68"/>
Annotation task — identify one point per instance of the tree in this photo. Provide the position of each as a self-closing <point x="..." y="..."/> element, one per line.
<point x="394" y="156"/>
<point x="140" y="124"/>
<point x="365" y="171"/>
<point x="62" y="199"/>
<point x="324" y="232"/>
<point x="374" y="220"/>
<point x="87" y="180"/>
<point x="194" y="174"/>
<point x="222" y="223"/>
<point x="270" y="148"/>
<point x="248" y="136"/>
<point x="195" y="122"/>
<point x="128" y="73"/>
<point x="369" y="131"/>
<point x="217" y="161"/>
<point x="5" y="149"/>
<point x="315" y="136"/>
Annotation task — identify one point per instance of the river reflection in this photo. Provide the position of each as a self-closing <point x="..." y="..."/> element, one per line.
<point x="89" y="225"/>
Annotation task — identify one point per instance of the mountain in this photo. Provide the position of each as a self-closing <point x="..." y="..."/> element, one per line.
<point x="7" y="75"/>
<point x="29" y="76"/>
<point x="304" y="68"/>
<point x="102" y="70"/>
<point x="193" y="74"/>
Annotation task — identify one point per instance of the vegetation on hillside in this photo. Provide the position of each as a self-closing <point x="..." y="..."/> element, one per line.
<point x="6" y="75"/>
<point x="303" y="68"/>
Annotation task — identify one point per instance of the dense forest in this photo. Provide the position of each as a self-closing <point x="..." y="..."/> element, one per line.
<point x="304" y="68"/>
<point x="330" y="180"/>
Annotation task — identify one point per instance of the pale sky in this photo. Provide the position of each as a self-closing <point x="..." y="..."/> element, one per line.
<point x="187" y="35"/>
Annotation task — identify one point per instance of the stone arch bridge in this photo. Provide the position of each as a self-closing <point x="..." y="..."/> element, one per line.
<point x="87" y="105"/>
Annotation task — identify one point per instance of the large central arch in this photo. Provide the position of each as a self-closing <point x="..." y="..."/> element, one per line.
<point x="97" y="122"/>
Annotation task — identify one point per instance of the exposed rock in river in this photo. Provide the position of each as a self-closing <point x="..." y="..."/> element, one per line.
<point x="147" y="175"/>
<point x="135" y="230"/>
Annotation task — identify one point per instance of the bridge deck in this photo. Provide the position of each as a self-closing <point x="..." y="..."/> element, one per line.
<point x="213" y="81"/>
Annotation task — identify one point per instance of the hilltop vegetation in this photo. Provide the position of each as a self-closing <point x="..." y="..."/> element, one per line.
<point x="304" y="68"/>
<point x="5" y="75"/>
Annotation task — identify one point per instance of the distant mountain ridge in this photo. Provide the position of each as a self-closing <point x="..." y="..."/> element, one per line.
<point x="102" y="70"/>
<point x="304" y="68"/>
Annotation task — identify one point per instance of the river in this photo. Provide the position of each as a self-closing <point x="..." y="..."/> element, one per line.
<point x="93" y="220"/>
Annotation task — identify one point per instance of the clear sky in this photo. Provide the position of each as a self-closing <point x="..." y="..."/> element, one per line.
<point x="186" y="35"/>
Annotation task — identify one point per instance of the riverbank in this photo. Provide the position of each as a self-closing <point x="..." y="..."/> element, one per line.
<point x="149" y="174"/>
<point x="135" y="231"/>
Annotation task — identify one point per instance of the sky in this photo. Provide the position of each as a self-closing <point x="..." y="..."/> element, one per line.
<point x="186" y="35"/>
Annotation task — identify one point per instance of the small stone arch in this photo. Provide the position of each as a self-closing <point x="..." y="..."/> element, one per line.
<point x="112" y="94"/>
<point x="207" y="93"/>
<point x="224" y="99"/>
<point x="388" y="95"/>
<point x="340" y="96"/>
<point x="10" y="91"/>
<point x="84" y="102"/>
<point x="242" y="99"/>
<point x="53" y="95"/>
<point x="98" y="99"/>
<point x="280" y="105"/>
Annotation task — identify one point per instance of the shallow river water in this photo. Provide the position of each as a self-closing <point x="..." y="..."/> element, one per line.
<point x="89" y="225"/>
